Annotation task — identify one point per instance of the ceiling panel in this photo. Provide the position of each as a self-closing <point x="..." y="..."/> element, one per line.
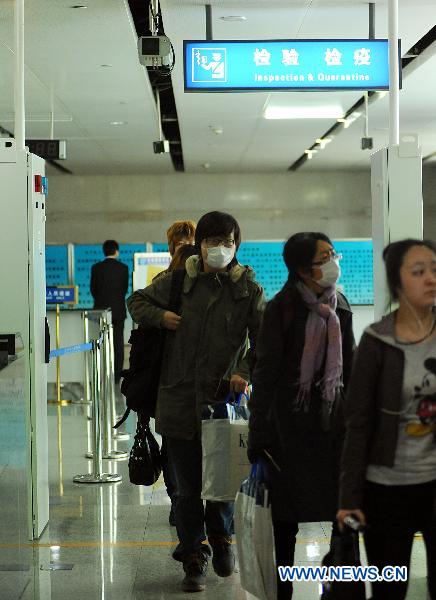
<point x="64" y="51"/>
<point x="66" y="47"/>
<point x="249" y="142"/>
<point x="417" y="115"/>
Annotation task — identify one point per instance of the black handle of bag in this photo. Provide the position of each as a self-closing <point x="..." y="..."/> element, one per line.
<point x="123" y="419"/>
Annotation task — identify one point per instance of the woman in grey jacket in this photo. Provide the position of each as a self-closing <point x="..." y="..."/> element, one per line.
<point x="388" y="474"/>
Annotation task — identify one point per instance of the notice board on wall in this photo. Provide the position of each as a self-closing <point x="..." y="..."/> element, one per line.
<point x="356" y="282"/>
<point x="85" y="255"/>
<point x="56" y="264"/>
<point x="265" y="257"/>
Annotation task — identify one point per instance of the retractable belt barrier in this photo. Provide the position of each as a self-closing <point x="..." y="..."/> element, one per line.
<point x="71" y="350"/>
<point x="99" y="388"/>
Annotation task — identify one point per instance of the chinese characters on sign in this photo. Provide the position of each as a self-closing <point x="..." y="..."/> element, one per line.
<point x="362" y="57"/>
<point x="332" y="57"/>
<point x="262" y="57"/>
<point x="62" y="294"/>
<point x="290" y="57"/>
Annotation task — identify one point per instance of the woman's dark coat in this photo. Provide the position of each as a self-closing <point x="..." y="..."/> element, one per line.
<point x="307" y="451"/>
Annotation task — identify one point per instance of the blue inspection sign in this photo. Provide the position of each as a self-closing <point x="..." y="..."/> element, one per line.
<point x="220" y="66"/>
<point x="61" y="294"/>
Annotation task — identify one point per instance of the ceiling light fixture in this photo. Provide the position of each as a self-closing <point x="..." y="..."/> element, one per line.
<point x="310" y="152"/>
<point x="78" y="6"/>
<point x="217" y="130"/>
<point x="105" y="65"/>
<point x="118" y="123"/>
<point x="350" y="119"/>
<point x="322" y="142"/>
<point x="233" y="18"/>
<point x="303" y="112"/>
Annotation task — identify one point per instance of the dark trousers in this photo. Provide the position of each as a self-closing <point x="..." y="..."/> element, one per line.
<point x="167" y="471"/>
<point x="193" y="519"/>
<point x="118" y="333"/>
<point x="284" y="540"/>
<point x="394" y="514"/>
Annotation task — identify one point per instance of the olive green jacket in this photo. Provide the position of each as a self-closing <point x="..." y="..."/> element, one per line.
<point x="220" y="314"/>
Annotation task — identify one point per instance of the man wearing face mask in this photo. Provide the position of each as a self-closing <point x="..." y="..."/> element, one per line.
<point x="206" y="357"/>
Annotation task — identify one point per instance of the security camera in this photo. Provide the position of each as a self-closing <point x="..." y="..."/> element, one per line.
<point x="366" y="143"/>
<point x="161" y="147"/>
<point x="154" y="50"/>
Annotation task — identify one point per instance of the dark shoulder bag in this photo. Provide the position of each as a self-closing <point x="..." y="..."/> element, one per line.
<point x="144" y="461"/>
<point x="140" y="383"/>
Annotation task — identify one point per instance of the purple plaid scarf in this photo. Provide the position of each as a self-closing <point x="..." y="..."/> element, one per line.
<point x="321" y="322"/>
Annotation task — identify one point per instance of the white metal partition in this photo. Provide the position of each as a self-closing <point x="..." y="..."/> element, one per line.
<point x="22" y="269"/>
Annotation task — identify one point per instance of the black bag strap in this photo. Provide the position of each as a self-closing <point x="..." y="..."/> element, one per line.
<point x="176" y="288"/>
<point x="177" y="279"/>
<point x="123" y="418"/>
<point x="174" y="302"/>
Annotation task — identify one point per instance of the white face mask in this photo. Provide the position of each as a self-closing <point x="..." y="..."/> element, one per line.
<point x="331" y="271"/>
<point x="219" y="257"/>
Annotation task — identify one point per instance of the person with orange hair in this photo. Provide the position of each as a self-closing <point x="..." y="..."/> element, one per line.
<point x="179" y="234"/>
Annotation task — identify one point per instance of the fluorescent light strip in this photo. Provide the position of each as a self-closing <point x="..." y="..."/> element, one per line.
<point x="303" y="112"/>
<point x="346" y="122"/>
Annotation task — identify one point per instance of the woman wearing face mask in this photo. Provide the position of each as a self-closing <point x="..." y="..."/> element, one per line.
<point x="388" y="472"/>
<point x="206" y="356"/>
<point x="304" y="356"/>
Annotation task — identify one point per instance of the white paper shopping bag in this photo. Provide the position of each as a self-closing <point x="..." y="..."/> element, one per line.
<point x="225" y="462"/>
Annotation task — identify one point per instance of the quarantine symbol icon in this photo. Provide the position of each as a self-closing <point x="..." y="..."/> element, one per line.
<point x="209" y="64"/>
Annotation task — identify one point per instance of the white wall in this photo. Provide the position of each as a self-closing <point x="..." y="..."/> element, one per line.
<point x="140" y="208"/>
<point x="90" y="209"/>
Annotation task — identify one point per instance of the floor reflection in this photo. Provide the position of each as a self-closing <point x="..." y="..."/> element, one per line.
<point x="111" y="541"/>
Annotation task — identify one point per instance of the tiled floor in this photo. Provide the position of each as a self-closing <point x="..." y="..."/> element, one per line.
<point x="113" y="541"/>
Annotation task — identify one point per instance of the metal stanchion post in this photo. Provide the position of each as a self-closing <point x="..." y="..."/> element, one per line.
<point x="86" y="384"/>
<point x="116" y="435"/>
<point x="87" y="388"/>
<point x="58" y="365"/>
<point x="109" y="452"/>
<point x="60" y="456"/>
<point x="96" y="476"/>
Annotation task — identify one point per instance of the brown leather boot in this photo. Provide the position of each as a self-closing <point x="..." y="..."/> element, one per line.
<point x="195" y="567"/>
<point x="223" y="559"/>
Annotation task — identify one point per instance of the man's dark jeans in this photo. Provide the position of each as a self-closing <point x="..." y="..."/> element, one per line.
<point x="191" y="515"/>
<point x="167" y="471"/>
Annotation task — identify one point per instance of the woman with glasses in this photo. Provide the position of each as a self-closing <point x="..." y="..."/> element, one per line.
<point x="388" y="471"/>
<point x="304" y="353"/>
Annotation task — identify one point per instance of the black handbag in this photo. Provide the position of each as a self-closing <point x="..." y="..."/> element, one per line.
<point x="140" y="383"/>
<point x="344" y="551"/>
<point x="144" y="460"/>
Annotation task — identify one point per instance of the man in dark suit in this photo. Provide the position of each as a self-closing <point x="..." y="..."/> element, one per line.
<point x="109" y="283"/>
